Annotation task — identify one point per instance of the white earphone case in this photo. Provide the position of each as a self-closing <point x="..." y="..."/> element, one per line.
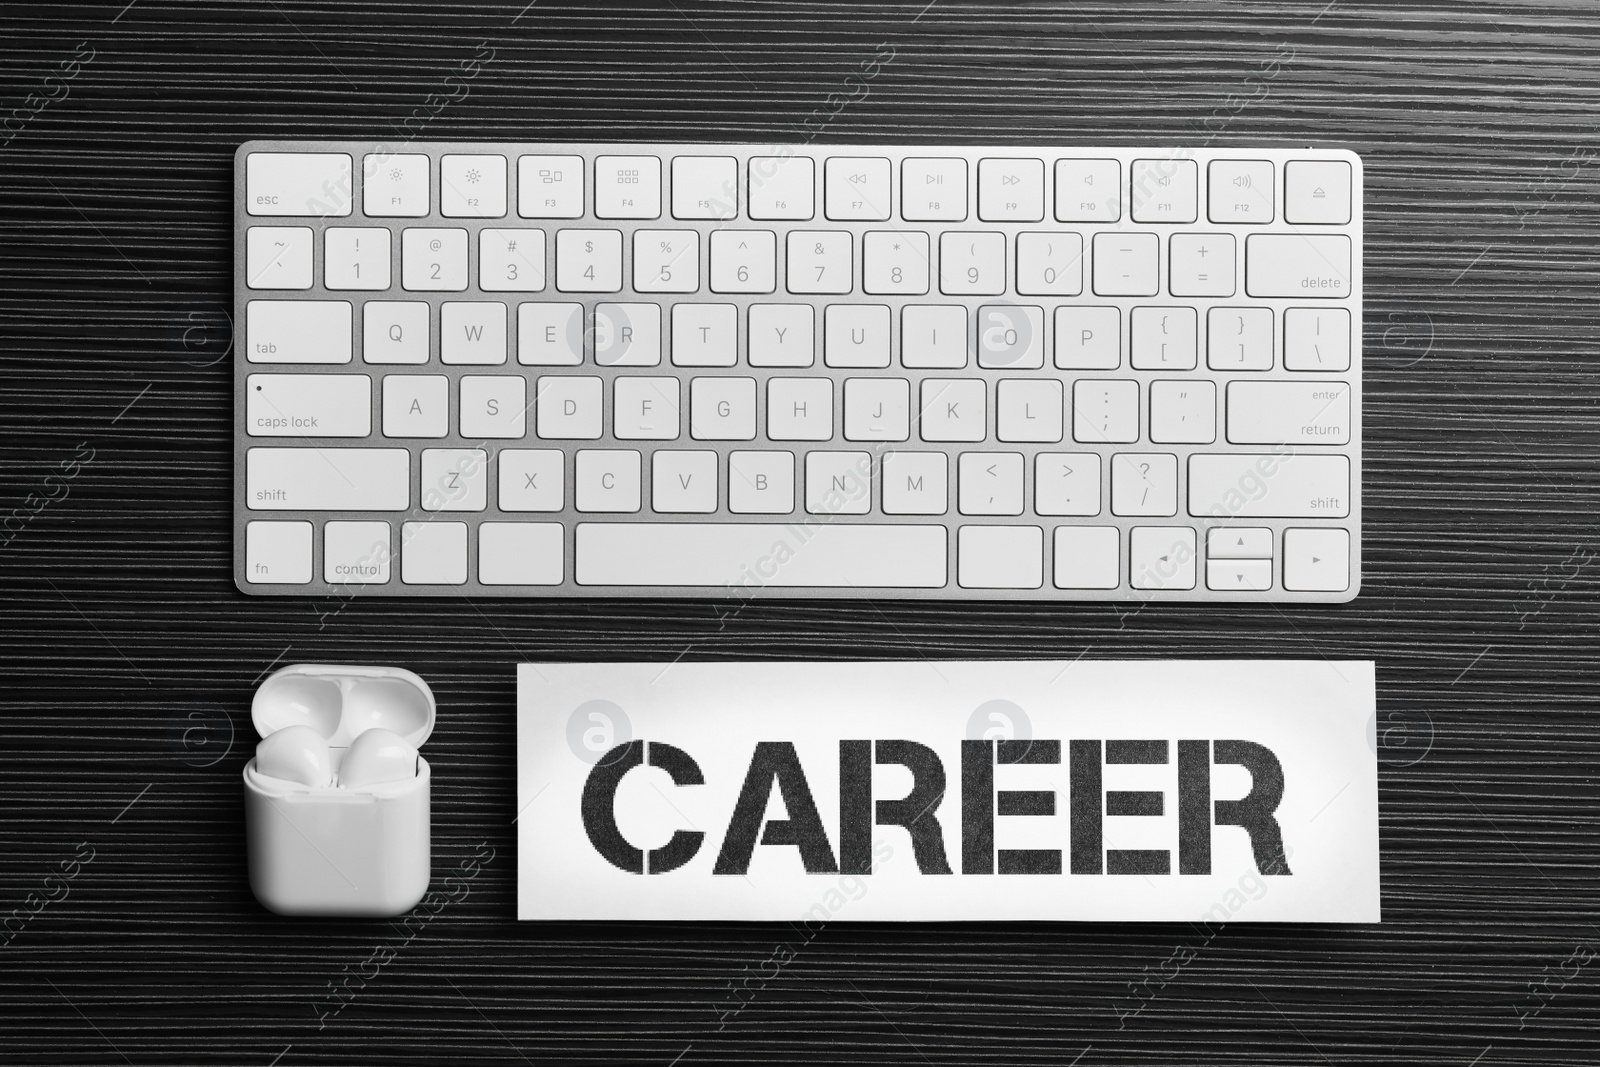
<point x="332" y="850"/>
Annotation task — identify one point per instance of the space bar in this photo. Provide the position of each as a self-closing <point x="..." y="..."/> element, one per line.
<point x="755" y="555"/>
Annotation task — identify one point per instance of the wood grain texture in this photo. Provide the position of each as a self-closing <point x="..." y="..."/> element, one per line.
<point x="129" y="658"/>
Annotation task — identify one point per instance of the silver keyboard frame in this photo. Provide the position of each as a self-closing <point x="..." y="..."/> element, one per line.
<point x="569" y="517"/>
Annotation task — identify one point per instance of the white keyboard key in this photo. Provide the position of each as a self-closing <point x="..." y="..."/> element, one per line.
<point x="550" y="335"/>
<point x="855" y="335"/>
<point x="394" y="186"/>
<point x="1105" y="412"/>
<point x="1239" y="542"/>
<point x="1289" y="413"/>
<point x="1127" y="264"/>
<point x="355" y="257"/>
<point x="394" y="331"/>
<point x="953" y="409"/>
<point x="627" y="335"/>
<point x="606" y="479"/>
<point x="589" y="261"/>
<point x="472" y="187"/>
<point x="893" y="261"/>
<point x="858" y="188"/>
<point x="1000" y="557"/>
<point x="297" y="183"/>
<point x="433" y="260"/>
<point x="782" y="187"/>
<point x="1316" y="560"/>
<point x="1269" y="486"/>
<point x="705" y="187"/>
<point x="1165" y="190"/>
<point x="1240" y="190"/>
<point x="416" y="405"/>
<point x="1088" y="338"/>
<point x="933" y="336"/>
<point x="1088" y="190"/>
<point x="646" y="409"/>
<point x="1144" y="483"/>
<point x="1183" y="412"/>
<point x="627" y="187"/>
<point x="1316" y="192"/>
<point x="1029" y="409"/>
<point x="1049" y="264"/>
<point x="1011" y="190"/>
<point x="877" y="409"/>
<point x="838" y="483"/>
<point x="1010" y="337"/>
<point x="521" y="553"/>
<point x="494" y="406"/>
<point x="1239" y="339"/>
<point x="327" y="479"/>
<point x="1296" y="265"/>
<point x="433" y="553"/>
<point x="531" y="479"/>
<point x="1161" y="557"/>
<point x="1088" y="557"/>
<point x="550" y="187"/>
<point x="569" y="408"/>
<point x="1201" y="264"/>
<point x="297" y="331"/>
<point x="683" y="482"/>
<point x="1066" y="483"/>
<point x="990" y="483"/>
<point x="666" y="261"/>
<point x="782" y="335"/>
<point x="722" y="409"/>
<point x="308" y="405"/>
<point x="914" y="483"/>
<point x="455" y="479"/>
<point x="278" y="257"/>
<point x="356" y="553"/>
<point x="511" y="261"/>
<point x="1316" y="339"/>
<point x="1239" y="575"/>
<point x="277" y="553"/>
<point x="744" y="261"/>
<point x="933" y="190"/>
<point x="820" y="261"/>
<point x="751" y="556"/>
<point x="800" y="409"/>
<point x="705" y="335"/>
<point x="472" y="331"/>
<point x="1164" y="338"/>
<point x="972" y="263"/>
<point x="761" y="483"/>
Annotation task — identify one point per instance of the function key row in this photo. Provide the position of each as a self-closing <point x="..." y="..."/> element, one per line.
<point x="854" y="188"/>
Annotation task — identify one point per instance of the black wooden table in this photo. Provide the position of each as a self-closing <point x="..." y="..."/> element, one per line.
<point x="128" y="657"/>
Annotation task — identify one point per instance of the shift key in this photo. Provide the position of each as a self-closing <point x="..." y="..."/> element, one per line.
<point x="328" y="479"/>
<point x="1269" y="485"/>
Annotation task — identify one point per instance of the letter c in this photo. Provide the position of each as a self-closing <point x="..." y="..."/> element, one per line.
<point x="599" y="807"/>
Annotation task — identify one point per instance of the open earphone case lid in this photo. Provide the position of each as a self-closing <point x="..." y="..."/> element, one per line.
<point x="341" y="702"/>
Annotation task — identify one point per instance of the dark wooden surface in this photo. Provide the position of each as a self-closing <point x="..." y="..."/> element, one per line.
<point x="128" y="658"/>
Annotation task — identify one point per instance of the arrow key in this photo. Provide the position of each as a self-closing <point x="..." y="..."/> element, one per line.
<point x="1239" y="542"/>
<point x="1316" y="560"/>
<point x="1239" y="575"/>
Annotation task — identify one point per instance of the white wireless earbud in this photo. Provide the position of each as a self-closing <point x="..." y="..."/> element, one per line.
<point x="377" y="756"/>
<point x="295" y="754"/>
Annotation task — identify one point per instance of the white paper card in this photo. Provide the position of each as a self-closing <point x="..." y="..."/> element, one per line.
<point x="1218" y="791"/>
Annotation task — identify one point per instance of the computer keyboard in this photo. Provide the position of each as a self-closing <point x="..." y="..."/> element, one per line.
<point x="1000" y="372"/>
